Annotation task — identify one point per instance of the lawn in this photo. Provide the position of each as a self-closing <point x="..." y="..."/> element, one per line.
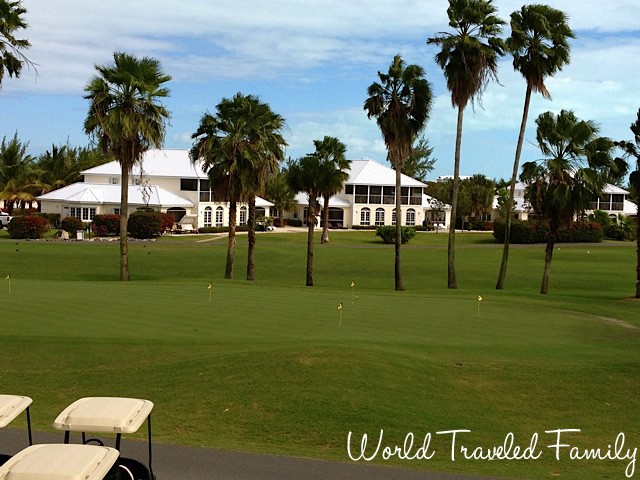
<point x="266" y="367"/>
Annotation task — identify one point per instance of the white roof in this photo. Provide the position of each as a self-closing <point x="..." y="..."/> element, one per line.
<point x="156" y="163"/>
<point x="104" y="414"/>
<point x="426" y="200"/>
<point x="87" y="193"/>
<point x="60" y="462"/>
<point x="630" y="208"/>
<point x="613" y="189"/>
<point x="303" y="199"/>
<point x="369" y="172"/>
<point x="11" y="406"/>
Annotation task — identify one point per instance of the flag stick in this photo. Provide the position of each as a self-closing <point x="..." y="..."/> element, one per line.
<point x="210" y="287"/>
<point x="9" y="279"/>
<point x="340" y="310"/>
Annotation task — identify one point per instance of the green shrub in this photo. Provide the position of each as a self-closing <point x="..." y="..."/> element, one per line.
<point x="388" y="233"/>
<point x="27" y="226"/>
<point x="71" y="224"/>
<point x="144" y="225"/>
<point x="293" y="222"/>
<point x="536" y="232"/>
<point x="52" y="218"/>
<point x="106" y="224"/>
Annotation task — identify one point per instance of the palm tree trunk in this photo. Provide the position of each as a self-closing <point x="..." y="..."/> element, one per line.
<point x="231" y="249"/>
<point x="325" y="221"/>
<point x="311" y="223"/>
<point x="547" y="263"/>
<point x="512" y="190"/>
<point x="251" y="222"/>
<point x="124" y="218"/>
<point x="451" y="253"/>
<point x="398" y="271"/>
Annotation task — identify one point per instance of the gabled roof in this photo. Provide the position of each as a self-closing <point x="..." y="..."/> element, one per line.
<point x="369" y="172"/>
<point x="630" y="208"/>
<point x="426" y="200"/>
<point x="612" y="189"/>
<point x="156" y="163"/>
<point x="89" y="193"/>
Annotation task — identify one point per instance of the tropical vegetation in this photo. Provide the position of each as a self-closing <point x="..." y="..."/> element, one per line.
<point x="469" y="60"/>
<point x="576" y="166"/>
<point x="125" y="119"/>
<point x="12" y="57"/>
<point x="400" y="103"/>
<point x="539" y="43"/>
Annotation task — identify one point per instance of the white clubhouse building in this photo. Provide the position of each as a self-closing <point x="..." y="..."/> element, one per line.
<point x="167" y="181"/>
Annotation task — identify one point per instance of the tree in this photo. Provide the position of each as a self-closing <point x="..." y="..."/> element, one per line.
<point x="469" y="60"/>
<point x="481" y="192"/>
<point x="331" y="151"/>
<point x="419" y="163"/>
<point x="632" y="149"/>
<point x="400" y="103"/>
<point x="125" y="119"/>
<point x="306" y="175"/>
<point x="18" y="175"/>
<point x="539" y="43"/>
<point x="263" y="151"/>
<point x="280" y="194"/>
<point x="12" y="58"/>
<point x="572" y="173"/>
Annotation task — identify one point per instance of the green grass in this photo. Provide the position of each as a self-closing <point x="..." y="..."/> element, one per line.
<point x="265" y="367"/>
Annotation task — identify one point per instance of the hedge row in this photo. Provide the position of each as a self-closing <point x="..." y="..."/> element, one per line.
<point x="536" y="232"/>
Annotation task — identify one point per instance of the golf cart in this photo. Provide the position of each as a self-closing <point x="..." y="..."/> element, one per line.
<point x="109" y="415"/>
<point x="10" y="407"/>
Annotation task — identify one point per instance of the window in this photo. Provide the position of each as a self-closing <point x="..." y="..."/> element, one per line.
<point x="85" y="214"/>
<point x="189" y="184"/>
<point x="116" y="211"/>
<point x="375" y="194"/>
<point x="114" y="181"/>
<point x="136" y="181"/>
<point x="393" y="217"/>
<point x="411" y="217"/>
<point x="207" y="217"/>
<point x="389" y="195"/>
<point x="404" y="195"/>
<point x="243" y="216"/>
<point x="219" y="216"/>
<point x="416" y="196"/>
<point x="362" y="194"/>
<point x="205" y="191"/>
<point x="379" y="216"/>
<point x="365" y="216"/>
<point x="348" y="189"/>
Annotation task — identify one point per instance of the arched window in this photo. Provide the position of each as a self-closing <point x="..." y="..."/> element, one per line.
<point x="243" y="216"/>
<point x="219" y="216"/>
<point x="207" y="216"/>
<point x="411" y="218"/>
<point x="379" y="216"/>
<point x="393" y="217"/>
<point x="365" y="216"/>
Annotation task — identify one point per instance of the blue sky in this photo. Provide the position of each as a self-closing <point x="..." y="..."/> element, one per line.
<point x="312" y="62"/>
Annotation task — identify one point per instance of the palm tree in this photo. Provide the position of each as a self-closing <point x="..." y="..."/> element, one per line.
<point x="11" y="57"/>
<point x="280" y="194"/>
<point x="264" y="153"/>
<point x="469" y="59"/>
<point x="539" y="43"/>
<point x="126" y="119"/>
<point x="632" y="149"/>
<point x="576" y="167"/>
<point x="306" y="175"/>
<point x="331" y="151"/>
<point x="400" y="103"/>
<point x="481" y="192"/>
<point x="18" y="174"/>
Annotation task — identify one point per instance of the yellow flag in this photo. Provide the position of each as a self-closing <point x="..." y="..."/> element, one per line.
<point x="8" y="278"/>
<point x="479" y="298"/>
<point x="209" y="286"/>
<point x="353" y="284"/>
<point x="340" y="306"/>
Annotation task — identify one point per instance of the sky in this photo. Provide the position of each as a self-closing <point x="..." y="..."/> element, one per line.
<point x="312" y="62"/>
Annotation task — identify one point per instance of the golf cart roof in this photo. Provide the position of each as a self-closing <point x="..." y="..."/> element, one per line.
<point x="60" y="461"/>
<point x="11" y="406"/>
<point x="104" y="415"/>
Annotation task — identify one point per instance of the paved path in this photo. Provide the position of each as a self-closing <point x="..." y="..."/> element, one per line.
<point x="171" y="462"/>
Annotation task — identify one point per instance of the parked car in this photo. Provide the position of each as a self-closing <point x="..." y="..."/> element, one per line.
<point x="4" y="219"/>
